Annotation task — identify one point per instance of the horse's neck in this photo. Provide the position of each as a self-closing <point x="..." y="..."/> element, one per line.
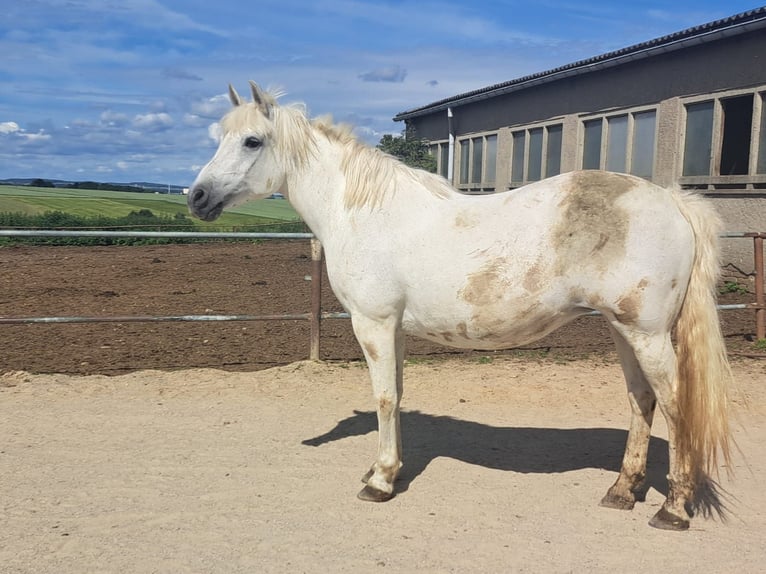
<point x="316" y="191"/>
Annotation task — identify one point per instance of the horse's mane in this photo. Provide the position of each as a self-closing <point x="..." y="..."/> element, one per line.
<point x="372" y="176"/>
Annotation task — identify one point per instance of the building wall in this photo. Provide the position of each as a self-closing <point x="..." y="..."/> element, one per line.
<point x="739" y="214"/>
<point x="739" y="61"/>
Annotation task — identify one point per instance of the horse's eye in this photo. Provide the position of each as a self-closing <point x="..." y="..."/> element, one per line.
<point x="253" y="142"/>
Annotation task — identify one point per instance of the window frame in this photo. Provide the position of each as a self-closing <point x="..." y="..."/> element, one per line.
<point x="630" y="135"/>
<point x="527" y="130"/>
<point x="714" y="180"/>
<point x="485" y="184"/>
<point x="439" y="150"/>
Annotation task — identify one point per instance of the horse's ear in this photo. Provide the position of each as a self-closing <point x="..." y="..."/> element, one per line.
<point x="234" y="96"/>
<point x="261" y="99"/>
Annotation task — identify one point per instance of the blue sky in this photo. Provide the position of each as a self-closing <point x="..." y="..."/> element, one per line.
<point x="130" y="90"/>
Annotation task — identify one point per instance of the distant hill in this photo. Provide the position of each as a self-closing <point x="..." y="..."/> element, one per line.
<point x="140" y="186"/>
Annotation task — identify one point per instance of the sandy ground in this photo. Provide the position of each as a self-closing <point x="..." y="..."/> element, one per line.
<point x="212" y="471"/>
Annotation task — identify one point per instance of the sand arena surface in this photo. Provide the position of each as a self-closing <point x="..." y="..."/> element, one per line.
<point x="203" y="470"/>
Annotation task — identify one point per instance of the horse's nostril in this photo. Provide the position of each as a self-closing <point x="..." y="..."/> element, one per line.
<point x="199" y="197"/>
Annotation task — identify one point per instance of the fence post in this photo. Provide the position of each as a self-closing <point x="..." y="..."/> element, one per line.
<point x="315" y="320"/>
<point x="760" y="312"/>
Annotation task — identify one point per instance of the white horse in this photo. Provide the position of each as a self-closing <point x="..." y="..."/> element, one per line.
<point x="406" y="253"/>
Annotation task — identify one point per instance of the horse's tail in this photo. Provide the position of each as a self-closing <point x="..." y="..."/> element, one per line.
<point x="704" y="374"/>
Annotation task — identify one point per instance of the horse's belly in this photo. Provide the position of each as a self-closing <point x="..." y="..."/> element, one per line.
<point x="489" y="332"/>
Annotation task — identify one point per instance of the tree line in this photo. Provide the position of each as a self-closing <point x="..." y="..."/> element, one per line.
<point x="39" y="182"/>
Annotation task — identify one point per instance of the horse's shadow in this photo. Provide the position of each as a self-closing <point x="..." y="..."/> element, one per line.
<point x="518" y="449"/>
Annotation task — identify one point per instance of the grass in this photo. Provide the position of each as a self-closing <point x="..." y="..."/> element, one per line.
<point x="733" y="287"/>
<point x="84" y="202"/>
<point x="412" y="361"/>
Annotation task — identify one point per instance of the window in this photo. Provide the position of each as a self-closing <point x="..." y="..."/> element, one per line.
<point x="553" y="150"/>
<point x="443" y="168"/>
<point x="440" y="151"/>
<point x="725" y="141"/>
<point x="642" y="154"/>
<point x="737" y="125"/>
<point x="617" y="144"/>
<point x="535" y="163"/>
<point x="465" y="151"/>
<point x="477" y="145"/>
<point x="517" y="157"/>
<point x="699" y="135"/>
<point x="478" y="162"/>
<point x="591" y="155"/>
<point x="761" y="166"/>
<point x="624" y="143"/>
<point x="535" y="153"/>
<point x="490" y="164"/>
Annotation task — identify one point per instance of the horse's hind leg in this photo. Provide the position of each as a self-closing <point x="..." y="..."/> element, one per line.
<point x="383" y="345"/>
<point x="657" y="360"/>
<point x="629" y="486"/>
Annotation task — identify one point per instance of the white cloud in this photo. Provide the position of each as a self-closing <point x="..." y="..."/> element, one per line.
<point x="110" y="118"/>
<point x="23" y="136"/>
<point x="212" y="108"/>
<point x="9" y="127"/>
<point x="39" y="136"/>
<point x="194" y="121"/>
<point x="158" y="106"/>
<point x="214" y="132"/>
<point x="152" y="121"/>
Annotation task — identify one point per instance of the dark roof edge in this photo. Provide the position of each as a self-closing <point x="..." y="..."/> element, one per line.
<point x="724" y="28"/>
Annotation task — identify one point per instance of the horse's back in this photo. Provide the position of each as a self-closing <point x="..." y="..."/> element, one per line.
<point x="591" y="223"/>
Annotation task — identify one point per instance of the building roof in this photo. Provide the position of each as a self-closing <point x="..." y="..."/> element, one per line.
<point x="733" y="25"/>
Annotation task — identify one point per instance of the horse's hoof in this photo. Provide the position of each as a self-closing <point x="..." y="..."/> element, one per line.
<point x="370" y="494"/>
<point x="667" y="521"/>
<point x="617" y="502"/>
<point x="367" y="476"/>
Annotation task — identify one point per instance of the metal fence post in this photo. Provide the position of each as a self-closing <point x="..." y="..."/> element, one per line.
<point x="760" y="311"/>
<point x="317" y="256"/>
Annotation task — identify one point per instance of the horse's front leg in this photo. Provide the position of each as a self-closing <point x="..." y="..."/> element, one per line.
<point x="383" y="346"/>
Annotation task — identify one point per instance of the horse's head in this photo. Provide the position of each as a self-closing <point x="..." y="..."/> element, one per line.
<point x="246" y="165"/>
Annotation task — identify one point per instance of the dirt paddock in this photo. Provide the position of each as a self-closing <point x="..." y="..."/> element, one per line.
<point x="213" y="471"/>
<point x="233" y="455"/>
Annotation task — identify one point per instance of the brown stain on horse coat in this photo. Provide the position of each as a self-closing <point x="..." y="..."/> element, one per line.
<point x="487" y="291"/>
<point x="372" y="351"/>
<point x="486" y="286"/>
<point x="465" y="220"/>
<point x="592" y="229"/>
<point x="483" y="290"/>
<point x="631" y="303"/>
<point x="534" y="278"/>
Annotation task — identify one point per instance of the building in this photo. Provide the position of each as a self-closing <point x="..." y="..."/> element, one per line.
<point x="687" y="108"/>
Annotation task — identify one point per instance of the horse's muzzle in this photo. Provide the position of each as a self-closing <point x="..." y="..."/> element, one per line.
<point x="201" y="204"/>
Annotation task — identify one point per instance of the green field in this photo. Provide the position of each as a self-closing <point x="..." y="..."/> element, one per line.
<point x="89" y="203"/>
